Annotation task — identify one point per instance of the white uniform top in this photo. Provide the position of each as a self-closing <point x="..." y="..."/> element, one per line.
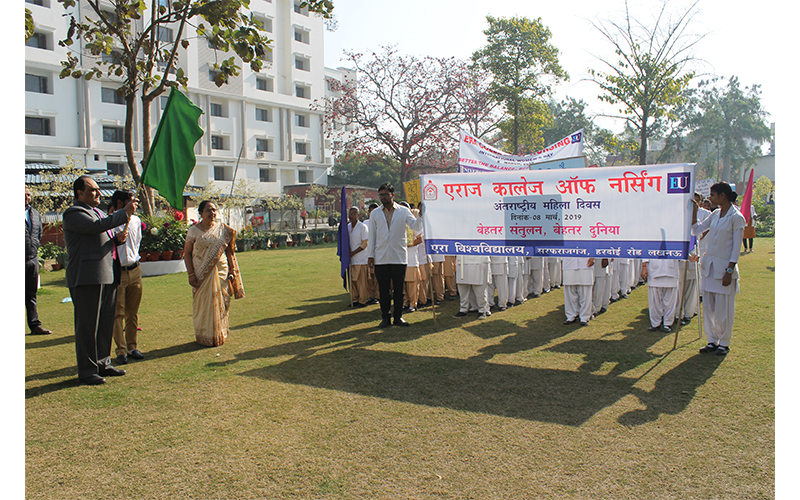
<point x="599" y="270"/>
<point x="129" y="251"/>
<point x="724" y="239"/>
<point x="359" y="236"/>
<point x="422" y="254"/>
<point x="663" y="273"/>
<point x="387" y="245"/>
<point x="413" y="253"/>
<point x="499" y="265"/>
<point x="473" y="270"/>
<point x="576" y="271"/>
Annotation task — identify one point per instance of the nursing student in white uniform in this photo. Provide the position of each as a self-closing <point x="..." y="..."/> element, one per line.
<point x="719" y="268"/>
<point x="662" y="292"/>
<point x="577" y="274"/>
<point x="359" y="238"/>
<point x="473" y="276"/>
<point x="601" y="291"/>
<point x="499" y="268"/>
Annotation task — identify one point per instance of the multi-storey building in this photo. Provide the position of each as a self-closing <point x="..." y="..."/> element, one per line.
<point x="264" y="121"/>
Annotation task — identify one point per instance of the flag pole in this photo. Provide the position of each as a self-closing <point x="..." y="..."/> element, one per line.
<point x="680" y="308"/>
<point x="433" y="297"/>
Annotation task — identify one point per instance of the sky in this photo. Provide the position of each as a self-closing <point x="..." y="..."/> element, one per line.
<point x="743" y="42"/>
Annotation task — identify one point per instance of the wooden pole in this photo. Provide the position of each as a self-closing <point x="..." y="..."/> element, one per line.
<point x="680" y="308"/>
<point x="433" y="297"/>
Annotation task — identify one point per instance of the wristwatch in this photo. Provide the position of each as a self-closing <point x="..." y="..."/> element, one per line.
<point x="729" y="270"/>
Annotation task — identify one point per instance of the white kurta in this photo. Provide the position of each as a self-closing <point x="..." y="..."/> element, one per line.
<point x="578" y="278"/>
<point x="662" y="295"/>
<point x="387" y="245"/>
<point x="473" y="276"/>
<point x="359" y="237"/>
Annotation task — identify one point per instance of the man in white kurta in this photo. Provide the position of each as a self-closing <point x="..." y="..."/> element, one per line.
<point x="577" y="274"/>
<point x="388" y="253"/>
<point x="473" y="276"/>
<point x="536" y="276"/>
<point x="359" y="239"/>
<point x="662" y="296"/>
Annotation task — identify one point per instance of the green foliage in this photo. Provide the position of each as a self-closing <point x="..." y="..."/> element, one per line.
<point x="51" y="251"/>
<point x="728" y="126"/>
<point x="55" y="193"/>
<point x="29" y="25"/>
<point x="366" y="169"/>
<point x="524" y="65"/>
<point x="526" y="127"/>
<point x="648" y="79"/>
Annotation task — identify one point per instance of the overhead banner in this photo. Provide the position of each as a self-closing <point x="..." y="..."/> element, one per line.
<point x="474" y="155"/>
<point x="611" y="212"/>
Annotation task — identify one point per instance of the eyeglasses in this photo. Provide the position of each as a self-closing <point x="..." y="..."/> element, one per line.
<point x="384" y="194"/>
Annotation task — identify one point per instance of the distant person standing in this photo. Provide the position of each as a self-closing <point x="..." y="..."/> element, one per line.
<point x="304" y="215"/>
<point x="388" y="253"/>
<point x="358" y="258"/>
<point x="33" y="235"/>
<point x="749" y="230"/>
<point x="129" y="291"/>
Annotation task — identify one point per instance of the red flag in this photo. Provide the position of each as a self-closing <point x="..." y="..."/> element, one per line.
<point x="747" y="199"/>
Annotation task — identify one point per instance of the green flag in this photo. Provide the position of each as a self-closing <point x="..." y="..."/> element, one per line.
<point x="171" y="160"/>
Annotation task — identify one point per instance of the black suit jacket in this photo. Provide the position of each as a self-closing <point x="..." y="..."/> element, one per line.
<point x="90" y="251"/>
<point x="33" y="235"/>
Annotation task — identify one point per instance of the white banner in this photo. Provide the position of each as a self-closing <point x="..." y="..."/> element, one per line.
<point x="624" y="212"/>
<point x="474" y="155"/>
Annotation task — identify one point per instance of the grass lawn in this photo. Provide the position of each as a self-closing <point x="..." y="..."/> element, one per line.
<point x="308" y="399"/>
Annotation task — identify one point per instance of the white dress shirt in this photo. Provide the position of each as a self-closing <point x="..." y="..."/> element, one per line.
<point x="128" y="252"/>
<point x="388" y="244"/>
<point x="359" y="236"/>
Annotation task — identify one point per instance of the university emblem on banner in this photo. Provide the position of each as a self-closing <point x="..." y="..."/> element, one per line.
<point x="575" y="138"/>
<point x="679" y="182"/>
<point x="430" y="193"/>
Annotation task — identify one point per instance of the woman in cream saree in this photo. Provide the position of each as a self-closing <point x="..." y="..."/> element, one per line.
<point x="213" y="274"/>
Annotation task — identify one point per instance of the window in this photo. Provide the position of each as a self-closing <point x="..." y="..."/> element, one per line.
<point x="264" y="145"/>
<point x="263" y="115"/>
<point x="268" y="54"/>
<point x="302" y="64"/>
<point x="113" y="58"/>
<point x="265" y="84"/>
<point x="163" y="99"/>
<point x="304" y="176"/>
<point x="217" y="142"/>
<point x="37" y="126"/>
<point x="301" y="120"/>
<point x="267" y="175"/>
<point x="212" y="75"/>
<point x="162" y="66"/>
<point x="120" y="169"/>
<point x="301" y="36"/>
<point x="37" y="2"/>
<point x="36" y="83"/>
<point x="164" y="34"/>
<point x="303" y="92"/>
<point x="300" y="10"/>
<point x="38" y="40"/>
<point x="113" y="134"/>
<point x="216" y="109"/>
<point x="300" y="148"/>
<point x="110" y="95"/>
<point x="219" y="173"/>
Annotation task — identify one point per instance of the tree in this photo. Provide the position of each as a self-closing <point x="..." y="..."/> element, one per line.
<point x="55" y="193"/>
<point x="524" y="66"/>
<point x="138" y="45"/>
<point x="480" y="114"/>
<point x="650" y="74"/>
<point x="731" y="122"/>
<point x="570" y="115"/>
<point x="400" y="106"/>
<point x="366" y="169"/>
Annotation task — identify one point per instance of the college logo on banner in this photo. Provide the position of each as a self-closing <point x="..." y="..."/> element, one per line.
<point x="431" y="192"/>
<point x="679" y="182"/>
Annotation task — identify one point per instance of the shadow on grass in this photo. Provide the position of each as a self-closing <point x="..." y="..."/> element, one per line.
<point x="49" y="342"/>
<point x="315" y="307"/>
<point x="673" y="391"/>
<point x="72" y="371"/>
<point x="555" y="396"/>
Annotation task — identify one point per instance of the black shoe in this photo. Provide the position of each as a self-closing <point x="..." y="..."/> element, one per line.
<point x="372" y="301"/>
<point x="546" y="291"/>
<point x="110" y="371"/>
<point x="40" y="331"/>
<point x="92" y="380"/>
<point x="136" y="354"/>
<point x="121" y="359"/>
<point x="452" y="297"/>
<point x="666" y="329"/>
<point x="536" y="295"/>
<point x="653" y="328"/>
<point x="710" y="347"/>
<point x="518" y="303"/>
<point x="438" y="302"/>
<point x="570" y="321"/>
<point x="484" y="315"/>
<point x="460" y="314"/>
<point x="612" y="300"/>
<point x="401" y="322"/>
<point x="722" y="350"/>
<point x="501" y="309"/>
<point x="386" y="323"/>
<point x="557" y="287"/>
<point x="685" y="321"/>
<point x="584" y="323"/>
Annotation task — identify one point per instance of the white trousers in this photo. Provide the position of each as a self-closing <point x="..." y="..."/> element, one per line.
<point x="619" y="282"/>
<point x="554" y="266"/>
<point x="473" y="294"/>
<point x="599" y="297"/>
<point x="499" y="283"/>
<point x="578" y="302"/>
<point x="690" y="292"/>
<point x="718" y="313"/>
<point x="663" y="304"/>
<point x="537" y="281"/>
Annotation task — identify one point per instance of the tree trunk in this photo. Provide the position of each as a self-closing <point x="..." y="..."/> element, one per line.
<point x="643" y="141"/>
<point x="147" y="191"/>
<point x="516" y="126"/>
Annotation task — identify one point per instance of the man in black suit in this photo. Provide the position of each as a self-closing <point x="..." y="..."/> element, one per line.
<point x="33" y="234"/>
<point x="92" y="278"/>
